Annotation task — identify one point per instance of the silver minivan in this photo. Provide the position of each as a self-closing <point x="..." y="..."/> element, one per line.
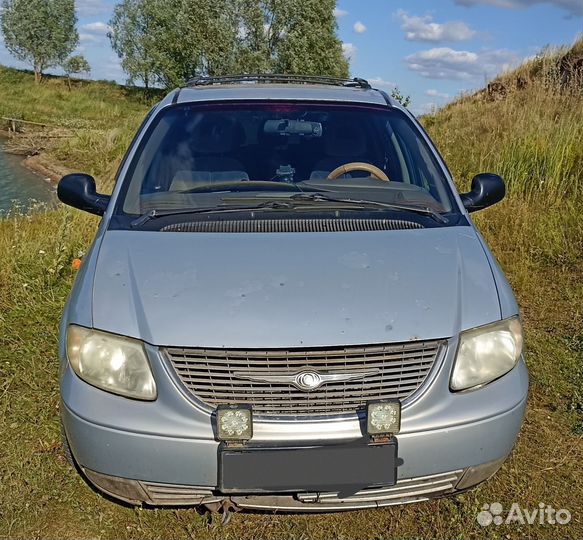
<point x="287" y="307"/>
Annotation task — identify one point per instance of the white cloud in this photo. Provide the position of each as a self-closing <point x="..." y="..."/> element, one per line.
<point x="380" y="83"/>
<point x="434" y="93"/>
<point x="349" y="51"/>
<point x="424" y="29"/>
<point x="99" y="28"/>
<point x="94" y="32"/>
<point x="446" y="63"/>
<point x="359" y="28"/>
<point x="88" y="8"/>
<point x="86" y="38"/>
<point x="340" y="12"/>
<point x="573" y="7"/>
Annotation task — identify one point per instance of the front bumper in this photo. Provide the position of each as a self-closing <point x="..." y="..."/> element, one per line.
<point x="181" y="462"/>
<point x="407" y="490"/>
<point x="166" y="451"/>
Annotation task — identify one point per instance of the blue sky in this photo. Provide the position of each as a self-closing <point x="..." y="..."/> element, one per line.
<point x="432" y="50"/>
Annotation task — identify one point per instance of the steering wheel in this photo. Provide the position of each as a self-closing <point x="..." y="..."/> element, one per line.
<point x="375" y="172"/>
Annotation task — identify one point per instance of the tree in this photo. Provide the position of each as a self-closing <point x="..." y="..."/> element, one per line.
<point x="75" y="65"/>
<point x="166" y="42"/>
<point x="400" y="97"/>
<point x="308" y="43"/>
<point x="290" y="36"/>
<point x="255" y="51"/>
<point x="199" y="37"/>
<point x="40" y="32"/>
<point x="131" y="39"/>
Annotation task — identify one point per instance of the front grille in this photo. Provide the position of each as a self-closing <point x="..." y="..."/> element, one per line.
<point x="176" y="495"/>
<point x="395" y="371"/>
<point x="404" y="491"/>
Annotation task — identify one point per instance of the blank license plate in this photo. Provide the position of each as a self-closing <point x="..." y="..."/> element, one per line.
<point x="315" y="468"/>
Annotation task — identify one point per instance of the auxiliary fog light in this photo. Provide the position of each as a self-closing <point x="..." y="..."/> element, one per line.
<point x="234" y="422"/>
<point x="383" y="417"/>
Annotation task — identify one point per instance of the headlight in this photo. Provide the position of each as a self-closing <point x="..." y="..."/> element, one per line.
<point x="486" y="353"/>
<point x="113" y="363"/>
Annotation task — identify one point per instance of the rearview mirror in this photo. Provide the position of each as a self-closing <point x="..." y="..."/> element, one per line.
<point x="78" y="190"/>
<point x="487" y="189"/>
<point x="293" y="127"/>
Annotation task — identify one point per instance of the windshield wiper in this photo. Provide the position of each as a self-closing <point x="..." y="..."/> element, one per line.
<point x="285" y="204"/>
<point x="289" y="203"/>
<point x="318" y="197"/>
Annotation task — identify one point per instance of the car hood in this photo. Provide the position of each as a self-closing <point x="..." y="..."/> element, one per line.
<point x="292" y="290"/>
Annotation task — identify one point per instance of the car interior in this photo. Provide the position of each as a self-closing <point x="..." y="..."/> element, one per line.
<point x="191" y="148"/>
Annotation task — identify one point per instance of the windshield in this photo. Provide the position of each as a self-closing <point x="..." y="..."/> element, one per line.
<point x="193" y="155"/>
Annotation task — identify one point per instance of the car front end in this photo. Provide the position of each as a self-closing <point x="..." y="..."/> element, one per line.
<point x="316" y="358"/>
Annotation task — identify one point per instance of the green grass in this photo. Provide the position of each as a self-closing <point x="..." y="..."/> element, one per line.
<point x="536" y="234"/>
<point x="100" y="117"/>
<point x="90" y="104"/>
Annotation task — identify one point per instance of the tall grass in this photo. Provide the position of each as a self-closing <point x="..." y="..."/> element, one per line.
<point x="90" y="104"/>
<point x="533" y="138"/>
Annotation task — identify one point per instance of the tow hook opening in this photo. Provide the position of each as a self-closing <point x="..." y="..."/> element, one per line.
<point x="225" y="507"/>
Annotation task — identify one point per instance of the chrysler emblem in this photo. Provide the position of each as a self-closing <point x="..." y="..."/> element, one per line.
<point x="306" y="380"/>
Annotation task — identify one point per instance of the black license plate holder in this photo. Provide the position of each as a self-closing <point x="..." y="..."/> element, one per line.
<point x="339" y="467"/>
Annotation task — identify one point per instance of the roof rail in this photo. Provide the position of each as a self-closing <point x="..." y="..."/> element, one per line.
<point x="277" y="78"/>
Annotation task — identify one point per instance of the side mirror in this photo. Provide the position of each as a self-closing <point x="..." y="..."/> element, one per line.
<point x="78" y="190"/>
<point x="487" y="189"/>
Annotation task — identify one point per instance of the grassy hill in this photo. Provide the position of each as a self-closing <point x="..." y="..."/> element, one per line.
<point x="88" y="128"/>
<point x="527" y="126"/>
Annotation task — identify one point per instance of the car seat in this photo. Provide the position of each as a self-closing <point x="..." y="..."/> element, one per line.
<point x="212" y="144"/>
<point x="343" y="143"/>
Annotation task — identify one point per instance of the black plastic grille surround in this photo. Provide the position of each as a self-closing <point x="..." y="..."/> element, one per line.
<point x="292" y="225"/>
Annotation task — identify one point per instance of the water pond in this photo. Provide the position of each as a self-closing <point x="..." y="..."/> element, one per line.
<point x="19" y="186"/>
